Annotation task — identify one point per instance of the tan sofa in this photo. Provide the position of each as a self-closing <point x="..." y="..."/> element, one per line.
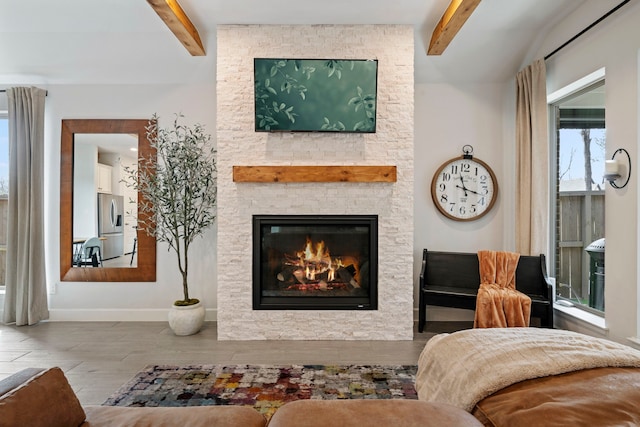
<point x="43" y="397"/>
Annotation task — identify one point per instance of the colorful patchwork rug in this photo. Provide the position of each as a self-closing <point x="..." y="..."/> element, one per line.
<point x="264" y="387"/>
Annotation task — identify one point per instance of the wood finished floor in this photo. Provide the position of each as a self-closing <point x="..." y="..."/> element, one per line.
<point x="98" y="357"/>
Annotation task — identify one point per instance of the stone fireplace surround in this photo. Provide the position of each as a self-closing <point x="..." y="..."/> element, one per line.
<point x="239" y="144"/>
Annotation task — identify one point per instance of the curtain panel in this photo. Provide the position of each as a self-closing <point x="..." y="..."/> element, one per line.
<point x="25" y="300"/>
<point x="532" y="161"/>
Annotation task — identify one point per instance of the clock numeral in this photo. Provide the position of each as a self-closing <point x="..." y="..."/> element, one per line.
<point x="482" y="201"/>
<point x="472" y="209"/>
<point x="465" y="167"/>
<point x="446" y="176"/>
<point x="444" y="198"/>
<point x="442" y="186"/>
<point x="462" y="210"/>
<point x="454" y="169"/>
<point x="451" y="206"/>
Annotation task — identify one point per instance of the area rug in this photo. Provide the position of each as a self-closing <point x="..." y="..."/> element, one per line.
<point x="264" y="387"/>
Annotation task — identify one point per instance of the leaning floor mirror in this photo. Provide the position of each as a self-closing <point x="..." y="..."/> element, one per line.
<point x="99" y="237"/>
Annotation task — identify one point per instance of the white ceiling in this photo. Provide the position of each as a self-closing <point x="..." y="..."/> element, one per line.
<point x="124" y="41"/>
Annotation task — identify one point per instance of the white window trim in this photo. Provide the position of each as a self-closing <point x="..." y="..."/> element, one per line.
<point x="598" y="322"/>
<point x="576" y="86"/>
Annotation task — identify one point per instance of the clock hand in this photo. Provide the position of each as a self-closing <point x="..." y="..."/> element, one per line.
<point x="463" y="188"/>
<point x="466" y="189"/>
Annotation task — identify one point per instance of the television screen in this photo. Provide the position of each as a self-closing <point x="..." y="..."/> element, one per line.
<point x="315" y="95"/>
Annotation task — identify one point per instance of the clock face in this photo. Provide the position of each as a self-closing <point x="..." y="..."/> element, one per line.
<point x="464" y="189"/>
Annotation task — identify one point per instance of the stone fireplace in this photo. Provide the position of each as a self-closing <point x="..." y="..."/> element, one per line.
<point x="390" y="202"/>
<point x="315" y="262"/>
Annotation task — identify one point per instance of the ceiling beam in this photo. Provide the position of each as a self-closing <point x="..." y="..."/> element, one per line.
<point x="451" y="22"/>
<point x="180" y="24"/>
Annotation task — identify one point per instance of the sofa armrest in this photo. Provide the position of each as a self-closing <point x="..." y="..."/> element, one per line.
<point x="42" y="399"/>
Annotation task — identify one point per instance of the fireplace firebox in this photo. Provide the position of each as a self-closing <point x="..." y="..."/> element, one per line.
<point x="315" y="262"/>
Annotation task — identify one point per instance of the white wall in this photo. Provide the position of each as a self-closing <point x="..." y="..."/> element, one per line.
<point x="613" y="44"/>
<point x="125" y="301"/>
<point x="84" y="191"/>
<point x="449" y="116"/>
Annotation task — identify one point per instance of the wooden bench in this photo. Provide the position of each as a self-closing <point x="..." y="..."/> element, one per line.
<point x="451" y="279"/>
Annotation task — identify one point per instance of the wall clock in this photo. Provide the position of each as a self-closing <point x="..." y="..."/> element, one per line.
<point x="464" y="188"/>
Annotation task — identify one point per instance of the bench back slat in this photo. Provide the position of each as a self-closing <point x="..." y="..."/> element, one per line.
<point x="462" y="270"/>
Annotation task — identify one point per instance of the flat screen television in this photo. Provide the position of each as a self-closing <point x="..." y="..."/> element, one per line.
<point x="315" y="95"/>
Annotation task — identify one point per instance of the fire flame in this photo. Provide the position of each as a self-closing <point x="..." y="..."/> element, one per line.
<point x="317" y="260"/>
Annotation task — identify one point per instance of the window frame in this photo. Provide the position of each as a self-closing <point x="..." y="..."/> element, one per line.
<point x="564" y="94"/>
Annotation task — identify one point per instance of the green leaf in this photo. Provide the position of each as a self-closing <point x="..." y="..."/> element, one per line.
<point x="272" y="90"/>
<point x="359" y="91"/>
<point x="354" y="100"/>
<point x="339" y="74"/>
<point x="267" y="82"/>
<point x="326" y="120"/>
<point x="274" y="71"/>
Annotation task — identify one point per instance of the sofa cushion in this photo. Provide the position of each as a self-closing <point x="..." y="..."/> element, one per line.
<point x="44" y="400"/>
<point x="192" y="416"/>
<point x="357" y="413"/>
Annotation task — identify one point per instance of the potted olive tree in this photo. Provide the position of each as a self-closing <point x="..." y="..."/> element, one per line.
<point x="178" y="188"/>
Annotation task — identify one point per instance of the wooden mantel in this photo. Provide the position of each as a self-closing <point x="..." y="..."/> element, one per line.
<point x="314" y="174"/>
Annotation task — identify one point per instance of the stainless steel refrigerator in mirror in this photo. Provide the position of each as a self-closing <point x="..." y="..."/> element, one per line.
<point x="111" y="225"/>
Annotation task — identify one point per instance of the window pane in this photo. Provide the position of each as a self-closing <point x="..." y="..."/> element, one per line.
<point x="580" y="150"/>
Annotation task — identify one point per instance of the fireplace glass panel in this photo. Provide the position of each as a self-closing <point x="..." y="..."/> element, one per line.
<point x="315" y="262"/>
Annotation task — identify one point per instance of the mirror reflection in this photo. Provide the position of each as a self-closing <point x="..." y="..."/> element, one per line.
<point x="99" y="241"/>
<point x="104" y="207"/>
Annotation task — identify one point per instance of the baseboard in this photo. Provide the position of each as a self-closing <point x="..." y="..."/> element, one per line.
<point x="117" y="315"/>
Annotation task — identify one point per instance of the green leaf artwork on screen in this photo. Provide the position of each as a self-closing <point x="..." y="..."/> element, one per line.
<point x="315" y="95"/>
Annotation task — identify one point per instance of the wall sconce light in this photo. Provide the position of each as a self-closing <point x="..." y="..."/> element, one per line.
<point x="612" y="169"/>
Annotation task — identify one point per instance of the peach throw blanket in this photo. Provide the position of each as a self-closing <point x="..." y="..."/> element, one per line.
<point x="499" y="304"/>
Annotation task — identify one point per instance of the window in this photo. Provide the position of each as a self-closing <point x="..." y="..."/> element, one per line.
<point x="4" y="192"/>
<point x="579" y="148"/>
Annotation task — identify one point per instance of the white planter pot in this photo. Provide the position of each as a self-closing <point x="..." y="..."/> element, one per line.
<point x="186" y="320"/>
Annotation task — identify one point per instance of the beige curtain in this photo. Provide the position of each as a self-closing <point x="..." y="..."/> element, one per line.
<point x="25" y="300"/>
<point x="532" y="161"/>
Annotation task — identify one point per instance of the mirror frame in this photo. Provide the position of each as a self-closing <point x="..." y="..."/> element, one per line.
<point x="146" y="244"/>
